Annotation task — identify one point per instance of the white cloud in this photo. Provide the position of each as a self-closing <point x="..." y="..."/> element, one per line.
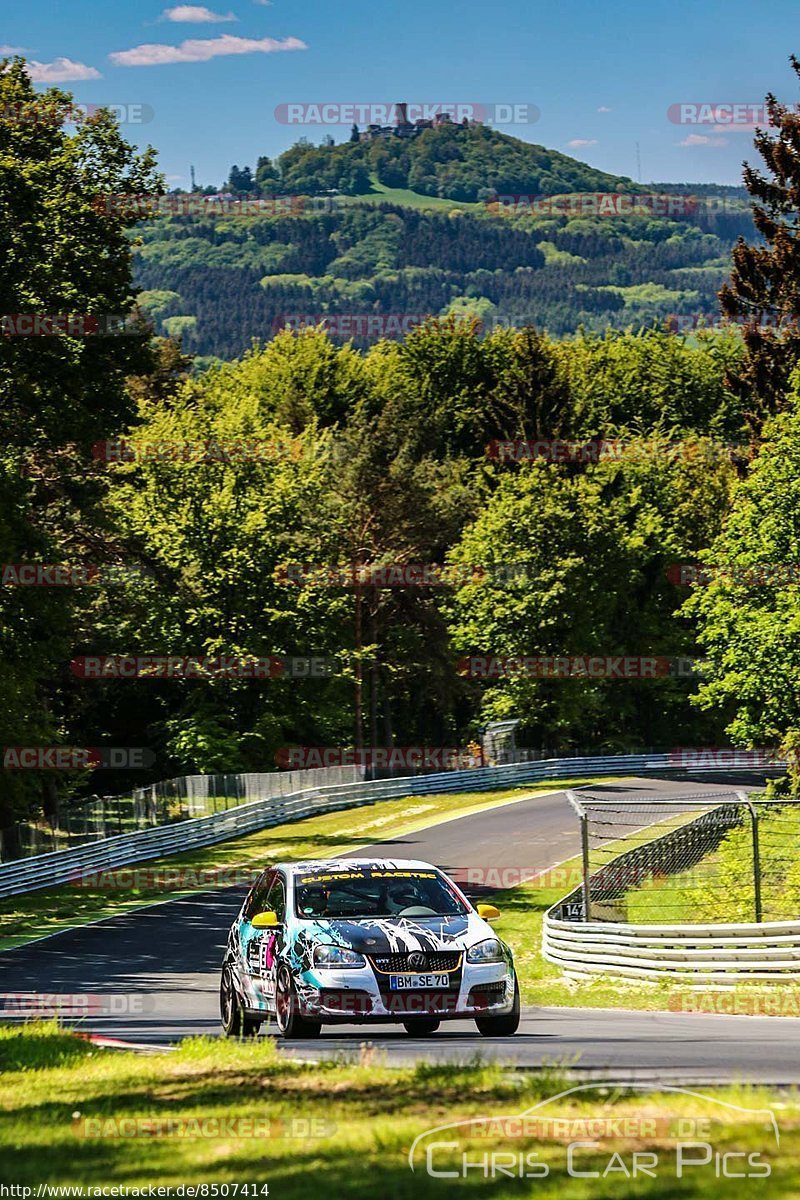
<point x="264" y="2"/>
<point x="734" y="128"/>
<point x="701" y="139"/>
<point x="197" y="14"/>
<point x="12" y="49"/>
<point x="201" y="50"/>
<point x="579" y="143"/>
<point x="60" y="70"/>
<point x="604" y="108"/>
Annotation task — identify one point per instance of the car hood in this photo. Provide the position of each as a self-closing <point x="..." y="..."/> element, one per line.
<point x="385" y="935"/>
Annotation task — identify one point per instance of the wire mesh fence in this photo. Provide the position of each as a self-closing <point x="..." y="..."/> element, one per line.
<point x="688" y="860"/>
<point x="161" y="803"/>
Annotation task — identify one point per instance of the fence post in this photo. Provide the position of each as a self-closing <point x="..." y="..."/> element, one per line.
<point x="574" y="800"/>
<point x="756" y="854"/>
<point x="585" y="854"/>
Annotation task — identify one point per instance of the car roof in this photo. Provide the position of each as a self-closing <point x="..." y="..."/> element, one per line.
<point x="345" y="864"/>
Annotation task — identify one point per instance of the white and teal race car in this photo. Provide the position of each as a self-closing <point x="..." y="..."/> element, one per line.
<point x="349" y="940"/>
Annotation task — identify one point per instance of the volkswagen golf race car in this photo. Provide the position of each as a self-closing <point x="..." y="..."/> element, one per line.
<point x="350" y="940"/>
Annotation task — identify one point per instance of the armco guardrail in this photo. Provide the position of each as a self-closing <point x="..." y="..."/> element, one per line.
<point x="702" y="953"/>
<point x="65" y="866"/>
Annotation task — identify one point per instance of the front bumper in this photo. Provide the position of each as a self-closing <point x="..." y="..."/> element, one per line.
<point x="356" y="994"/>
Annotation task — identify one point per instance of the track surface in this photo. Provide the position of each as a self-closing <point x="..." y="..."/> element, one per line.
<point x="152" y="976"/>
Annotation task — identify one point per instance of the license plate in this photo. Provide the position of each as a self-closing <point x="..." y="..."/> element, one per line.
<point x="403" y="983"/>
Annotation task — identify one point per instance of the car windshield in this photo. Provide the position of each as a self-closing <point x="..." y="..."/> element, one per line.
<point x="375" y="893"/>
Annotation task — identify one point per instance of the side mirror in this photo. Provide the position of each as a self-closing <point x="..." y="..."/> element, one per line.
<point x="488" y="912"/>
<point x="265" y="920"/>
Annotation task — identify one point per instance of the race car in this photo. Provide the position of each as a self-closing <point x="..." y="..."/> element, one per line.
<point x="355" y="940"/>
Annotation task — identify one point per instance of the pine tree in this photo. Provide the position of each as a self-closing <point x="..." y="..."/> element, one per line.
<point x="763" y="292"/>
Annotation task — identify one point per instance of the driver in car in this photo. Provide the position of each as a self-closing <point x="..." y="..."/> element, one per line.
<point x="406" y="895"/>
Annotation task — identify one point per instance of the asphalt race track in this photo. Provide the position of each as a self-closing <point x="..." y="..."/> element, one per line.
<point x="152" y="976"/>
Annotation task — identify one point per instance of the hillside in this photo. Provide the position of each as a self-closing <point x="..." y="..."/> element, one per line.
<point x="400" y="228"/>
<point x="453" y="162"/>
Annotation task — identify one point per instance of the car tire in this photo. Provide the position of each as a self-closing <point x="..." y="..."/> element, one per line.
<point x="422" y="1027"/>
<point x="501" y="1026"/>
<point x="288" y="1018"/>
<point x="235" y="1022"/>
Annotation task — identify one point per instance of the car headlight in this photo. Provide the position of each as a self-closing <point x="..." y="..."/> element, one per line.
<point x="487" y="951"/>
<point x="337" y="956"/>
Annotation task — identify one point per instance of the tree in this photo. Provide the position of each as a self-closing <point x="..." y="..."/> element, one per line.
<point x="240" y="180"/>
<point x="65" y="251"/>
<point x="764" y="289"/>
<point x="355" y="136"/>
<point x="267" y="177"/>
<point x="577" y="564"/>
<point x="748" y="613"/>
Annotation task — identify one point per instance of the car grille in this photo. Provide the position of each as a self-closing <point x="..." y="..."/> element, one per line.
<point x="435" y="960"/>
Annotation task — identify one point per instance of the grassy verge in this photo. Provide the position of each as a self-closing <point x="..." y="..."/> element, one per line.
<point x="219" y="1112"/>
<point x="35" y="914"/>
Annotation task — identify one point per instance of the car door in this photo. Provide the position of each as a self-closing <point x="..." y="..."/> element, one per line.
<point x="250" y="939"/>
<point x="273" y="941"/>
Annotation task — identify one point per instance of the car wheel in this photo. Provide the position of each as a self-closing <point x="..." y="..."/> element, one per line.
<point x="422" y="1027"/>
<point x="235" y="1022"/>
<point x="503" y="1026"/>
<point x="290" y="1022"/>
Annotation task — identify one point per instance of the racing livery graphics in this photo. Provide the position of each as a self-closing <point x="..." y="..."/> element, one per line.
<point x="351" y="940"/>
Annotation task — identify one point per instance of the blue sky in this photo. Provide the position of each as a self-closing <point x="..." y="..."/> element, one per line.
<point x="602" y="76"/>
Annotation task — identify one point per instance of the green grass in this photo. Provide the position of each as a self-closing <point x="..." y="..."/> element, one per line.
<point x="381" y="194"/>
<point x="345" y="1129"/>
<point x="35" y="914"/>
